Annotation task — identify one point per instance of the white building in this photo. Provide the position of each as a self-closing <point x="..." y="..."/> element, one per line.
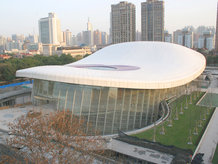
<point x="49" y="30"/>
<point x="119" y="87"/>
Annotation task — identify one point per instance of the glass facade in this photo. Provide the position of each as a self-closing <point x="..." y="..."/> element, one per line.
<point x="106" y="109"/>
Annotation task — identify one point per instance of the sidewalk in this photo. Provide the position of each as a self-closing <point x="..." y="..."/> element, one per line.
<point x="209" y="140"/>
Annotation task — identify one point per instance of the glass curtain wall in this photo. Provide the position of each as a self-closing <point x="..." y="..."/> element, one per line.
<point x="106" y="109"/>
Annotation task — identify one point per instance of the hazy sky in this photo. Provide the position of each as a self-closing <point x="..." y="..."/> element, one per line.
<point x="21" y="16"/>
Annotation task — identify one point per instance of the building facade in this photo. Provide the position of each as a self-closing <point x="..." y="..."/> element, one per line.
<point x="152" y="20"/>
<point x="113" y="94"/>
<point x="50" y="30"/>
<point x="123" y="22"/>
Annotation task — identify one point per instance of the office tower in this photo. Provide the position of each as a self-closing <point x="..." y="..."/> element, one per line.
<point x="97" y="37"/>
<point x="152" y="20"/>
<point x="74" y="40"/>
<point x="49" y="30"/>
<point x="89" y="25"/>
<point x="68" y="37"/>
<point x="123" y="22"/>
<point x="79" y="38"/>
<point x="88" y="35"/>
<point x="216" y="42"/>
<point x="104" y="38"/>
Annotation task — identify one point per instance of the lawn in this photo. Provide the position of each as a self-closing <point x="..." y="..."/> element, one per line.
<point x="210" y="99"/>
<point x="215" y="157"/>
<point x="194" y="119"/>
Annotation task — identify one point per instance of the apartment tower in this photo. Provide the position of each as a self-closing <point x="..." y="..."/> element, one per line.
<point x="123" y="22"/>
<point x="152" y="20"/>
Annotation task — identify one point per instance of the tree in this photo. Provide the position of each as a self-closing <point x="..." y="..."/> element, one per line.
<point x="7" y="72"/>
<point x="57" y="137"/>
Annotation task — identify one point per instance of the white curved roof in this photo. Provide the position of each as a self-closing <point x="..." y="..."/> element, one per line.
<point x="144" y="65"/>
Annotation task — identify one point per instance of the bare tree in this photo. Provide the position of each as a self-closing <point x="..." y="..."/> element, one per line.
<point x="57" y="137"/>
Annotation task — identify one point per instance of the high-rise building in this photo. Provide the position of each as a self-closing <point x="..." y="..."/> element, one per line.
<point x="49" y="30"/>
<point x="123" y="22"/>
<point x="152" y="20"/>
<point x="68" y="35"/>
<point x="79" y="38"/>
<point x="104" y="38"/>
<point x="184" y="37"/>
<point x="167" y="37"/>
<point x="88" y="35"/>
<point x="89" y="25"/>
<point x="97" y="37"/>
<point x="17" y="38"/>
<point x="216" y="42"/>
<point x="138" y="36"/>
<point x="206" y="40"/>
<point x="32" y="38"/>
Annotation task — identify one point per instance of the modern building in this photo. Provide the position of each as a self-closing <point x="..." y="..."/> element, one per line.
<point x="152" y="20"/>
<point x="123" y="22"/>
<point x="119" y="87"/>
<point x="50" y="30"/>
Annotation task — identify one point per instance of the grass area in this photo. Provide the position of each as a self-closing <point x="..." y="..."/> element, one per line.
<point x="194" y="119"/>
<point x="210" y="99"/>
<point x="215" y="157"/>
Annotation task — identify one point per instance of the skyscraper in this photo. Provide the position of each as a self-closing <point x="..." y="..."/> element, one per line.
<point x="97" y="37"/>
<point x="88" y="35"/>
<point x="49" y="29"/>
<point x="216" y="42"/>
<point x="152" y="20"/>
<point x="123" y="24"/>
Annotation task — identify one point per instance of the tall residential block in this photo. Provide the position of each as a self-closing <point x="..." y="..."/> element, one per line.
<point x="184" y="37"/>
<point x="123" y="22"/>
<point x="216" y="42"/>
<point x="152" y="20"/>
<point x="206" y="40"/>
<point x="49" y="29"/>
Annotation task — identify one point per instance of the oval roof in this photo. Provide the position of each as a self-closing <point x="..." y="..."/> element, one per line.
<point x="139" y="65"/>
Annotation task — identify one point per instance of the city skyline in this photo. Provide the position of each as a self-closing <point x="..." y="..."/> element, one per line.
<point x="73" y="16"/>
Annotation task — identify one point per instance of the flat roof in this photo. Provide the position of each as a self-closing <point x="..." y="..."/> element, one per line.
<point x="139" y="65"/>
